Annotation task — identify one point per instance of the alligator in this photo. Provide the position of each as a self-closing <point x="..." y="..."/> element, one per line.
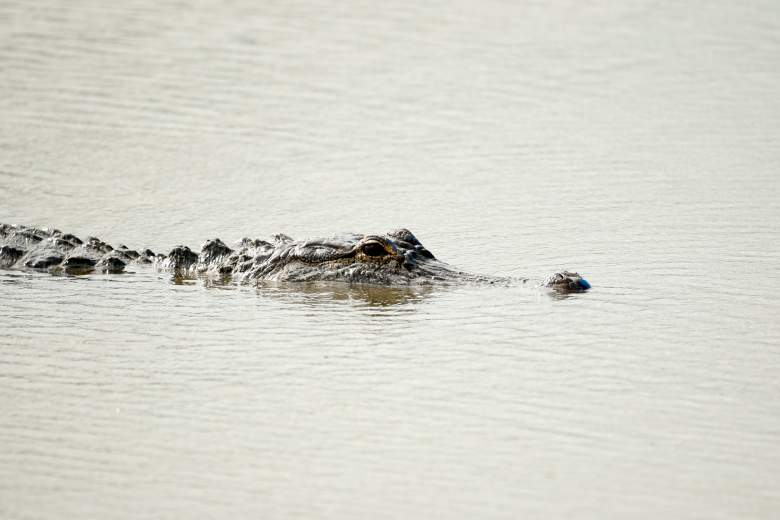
<point x="396" y="258"/>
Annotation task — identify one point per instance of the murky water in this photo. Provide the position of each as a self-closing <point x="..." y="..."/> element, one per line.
<point x="636" y="142"/>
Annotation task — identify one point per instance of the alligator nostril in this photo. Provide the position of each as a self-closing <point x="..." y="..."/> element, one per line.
<point x="374" y="249"/>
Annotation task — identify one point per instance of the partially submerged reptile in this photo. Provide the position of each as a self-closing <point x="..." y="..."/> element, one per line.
<point x="396" y="258"/>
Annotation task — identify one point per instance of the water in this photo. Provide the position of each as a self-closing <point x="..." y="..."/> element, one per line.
<point x="636" y="143"/>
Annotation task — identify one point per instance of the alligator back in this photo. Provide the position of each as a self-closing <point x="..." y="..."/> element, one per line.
<point x="50" y="249"/>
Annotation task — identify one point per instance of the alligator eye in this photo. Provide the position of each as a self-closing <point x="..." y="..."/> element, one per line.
<point x="373" y="249"/>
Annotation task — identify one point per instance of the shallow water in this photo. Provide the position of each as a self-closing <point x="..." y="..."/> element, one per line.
<point x="636" y="143"/>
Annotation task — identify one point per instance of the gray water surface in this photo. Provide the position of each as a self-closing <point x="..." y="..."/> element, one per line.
<point x="635" y="142"/>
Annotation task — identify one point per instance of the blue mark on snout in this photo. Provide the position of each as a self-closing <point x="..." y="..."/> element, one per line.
<point x="583" y="283"/>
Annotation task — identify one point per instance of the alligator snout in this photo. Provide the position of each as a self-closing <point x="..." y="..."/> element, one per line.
<point x="567" y="281"/>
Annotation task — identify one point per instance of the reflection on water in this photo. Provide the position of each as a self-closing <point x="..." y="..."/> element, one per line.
<point x="374" y="296"/>
<point x="313" y="292"/>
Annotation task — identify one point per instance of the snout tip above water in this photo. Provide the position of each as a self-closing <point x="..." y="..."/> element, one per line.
<point x="567" y="282"/>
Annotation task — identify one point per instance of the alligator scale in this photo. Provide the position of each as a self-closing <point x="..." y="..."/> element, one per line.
<point x="396" y="258"/>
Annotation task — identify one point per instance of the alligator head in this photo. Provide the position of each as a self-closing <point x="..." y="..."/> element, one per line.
<point x="395" y="258"/>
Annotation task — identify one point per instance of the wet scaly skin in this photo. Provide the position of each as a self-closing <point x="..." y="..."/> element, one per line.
<point x="396" y="258"/>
